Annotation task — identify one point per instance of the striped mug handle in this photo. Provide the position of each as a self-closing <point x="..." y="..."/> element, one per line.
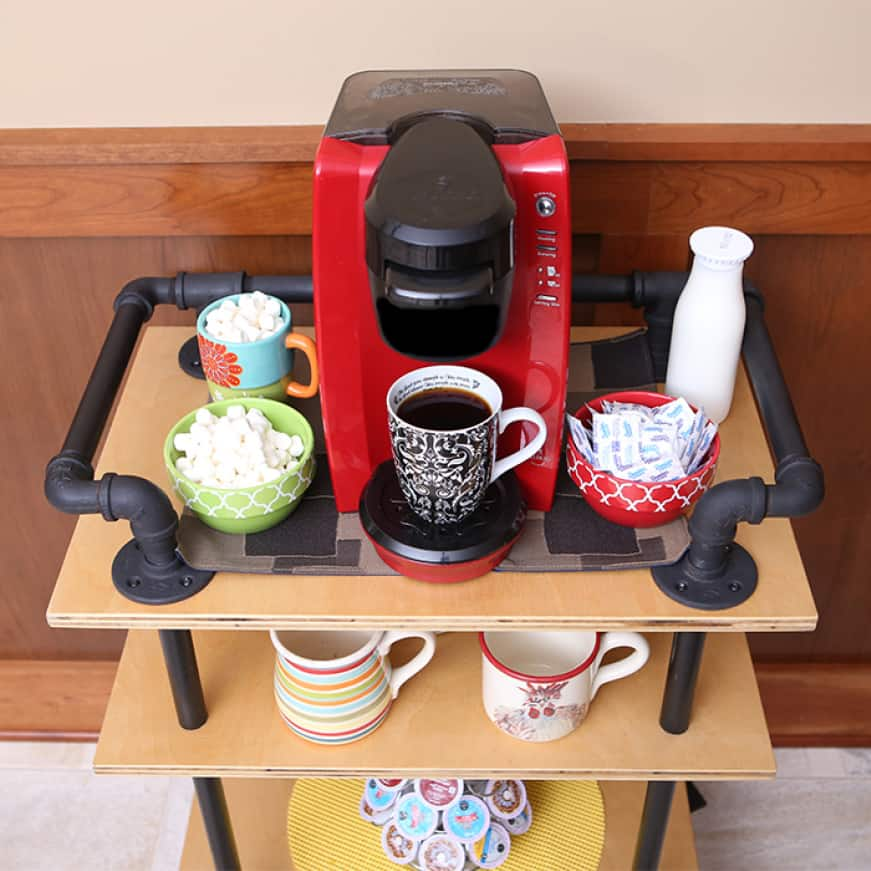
<point x="400" y="675"/>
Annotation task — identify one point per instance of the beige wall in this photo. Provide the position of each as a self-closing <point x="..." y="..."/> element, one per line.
<point x="177" y="62"/>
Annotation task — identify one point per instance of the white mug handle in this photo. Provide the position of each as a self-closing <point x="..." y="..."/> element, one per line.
<point x="623" y="667"/>
<point x="513" y="415"/>
<point x="404" y="672"/>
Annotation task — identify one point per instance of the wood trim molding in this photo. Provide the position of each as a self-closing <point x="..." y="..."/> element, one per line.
<point x="54" y="700"/>
<point x="627" y="180"/>
<point x="806" y="704"/>
<point x="818" y="143"/>
<point x="274" y="199"/>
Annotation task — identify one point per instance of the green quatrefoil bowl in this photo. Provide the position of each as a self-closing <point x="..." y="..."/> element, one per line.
<point x="246" y="509"/>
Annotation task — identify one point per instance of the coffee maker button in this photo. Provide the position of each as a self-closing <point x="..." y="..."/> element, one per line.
<point x="545" y="206"/>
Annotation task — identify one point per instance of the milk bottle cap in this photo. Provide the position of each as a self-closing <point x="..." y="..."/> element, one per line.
<point x="721" y="247"/>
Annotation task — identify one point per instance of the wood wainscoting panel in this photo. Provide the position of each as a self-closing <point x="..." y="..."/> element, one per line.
<point x="220" y="199"/>
<point x="56" y="305"/>
<point x="817" y="311"/>
<point x="609" y="197"/>
<point x="122" y="203"/>
<point x="816" y="704"/>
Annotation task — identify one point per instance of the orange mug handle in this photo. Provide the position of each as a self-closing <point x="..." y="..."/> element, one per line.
<point x="307" y="346"/>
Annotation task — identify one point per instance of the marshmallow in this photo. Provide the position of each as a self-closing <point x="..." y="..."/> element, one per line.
<point x="257" y="316"/>
<point x="205" y="417"/>
<point x="240" y="449"/>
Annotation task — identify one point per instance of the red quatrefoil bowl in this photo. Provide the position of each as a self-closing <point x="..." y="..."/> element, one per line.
<point x="637" y="503"/>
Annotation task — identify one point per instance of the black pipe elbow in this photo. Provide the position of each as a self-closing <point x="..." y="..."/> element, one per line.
<point x="70" y="486"/>
<point x="799" y="488"/>
<point x="657" y="293"/>
<point x="724" y="506"/>
<point x="152" y="518"/>
<point x="147" y="293"/>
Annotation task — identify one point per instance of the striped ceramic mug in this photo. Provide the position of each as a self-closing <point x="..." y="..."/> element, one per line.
<point x="336" y="687"/>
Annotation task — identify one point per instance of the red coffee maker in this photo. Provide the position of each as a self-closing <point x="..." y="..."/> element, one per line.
<point x="441" y="233"/>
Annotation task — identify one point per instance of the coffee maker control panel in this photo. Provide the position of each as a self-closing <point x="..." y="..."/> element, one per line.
<point x="548" y="277"/>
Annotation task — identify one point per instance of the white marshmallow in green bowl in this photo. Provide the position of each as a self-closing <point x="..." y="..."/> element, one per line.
<point x="241" y="495"/>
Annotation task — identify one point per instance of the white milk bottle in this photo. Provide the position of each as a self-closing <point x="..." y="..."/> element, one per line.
<point x="709" y="322"/>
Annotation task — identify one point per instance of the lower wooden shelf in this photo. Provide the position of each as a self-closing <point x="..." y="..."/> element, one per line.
<point x="437" y="725"/>
<point x="258" y="809"/>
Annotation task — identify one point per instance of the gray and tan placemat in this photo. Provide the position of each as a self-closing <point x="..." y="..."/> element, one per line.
<point x="318" y="540"/>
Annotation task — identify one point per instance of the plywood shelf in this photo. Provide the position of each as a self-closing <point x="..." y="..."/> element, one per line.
<point x="437" y="725"/>
<point x="259" y="812"/>
<point x="157" y="393"/>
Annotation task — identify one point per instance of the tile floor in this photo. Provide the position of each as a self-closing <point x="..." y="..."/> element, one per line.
<point x="55" y="814"/>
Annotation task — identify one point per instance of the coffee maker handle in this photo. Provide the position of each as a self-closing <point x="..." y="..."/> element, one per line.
<point x="514" y="415"/>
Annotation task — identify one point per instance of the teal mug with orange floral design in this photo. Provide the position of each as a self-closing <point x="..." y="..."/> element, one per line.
<point x="260" y="368"/>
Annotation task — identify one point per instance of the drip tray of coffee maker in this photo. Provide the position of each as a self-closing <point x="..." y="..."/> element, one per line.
<point x="441" y="554"/>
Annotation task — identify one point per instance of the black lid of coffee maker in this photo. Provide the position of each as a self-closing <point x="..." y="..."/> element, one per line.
<point x="391" y="524"/>
<point x="439" y="205"/>
<point x="374" y="106"/>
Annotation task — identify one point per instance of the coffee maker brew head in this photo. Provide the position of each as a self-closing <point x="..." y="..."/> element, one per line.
<point x="439" y="240"/>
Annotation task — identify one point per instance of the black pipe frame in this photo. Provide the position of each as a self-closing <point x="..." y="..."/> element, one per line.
<point x="715" y="572"/>
<point x="216" y="821"/>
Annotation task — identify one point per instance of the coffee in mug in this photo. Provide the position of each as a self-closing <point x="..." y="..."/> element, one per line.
<point x="444" y="426"/>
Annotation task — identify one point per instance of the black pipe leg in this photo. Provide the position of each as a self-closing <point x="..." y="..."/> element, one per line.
<point x="654" y="821"/>
<point x="216" y="820"/>
<point x="680" y="681"/>
<point x="184" y="677"/>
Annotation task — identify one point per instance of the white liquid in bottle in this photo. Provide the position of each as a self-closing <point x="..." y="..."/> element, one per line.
<point x="709" y="322"/>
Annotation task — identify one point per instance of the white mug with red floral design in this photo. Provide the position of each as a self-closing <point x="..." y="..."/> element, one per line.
<point x="538" y="686"/>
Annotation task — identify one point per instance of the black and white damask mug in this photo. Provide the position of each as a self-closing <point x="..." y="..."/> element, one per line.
<point x="444" y="425"/>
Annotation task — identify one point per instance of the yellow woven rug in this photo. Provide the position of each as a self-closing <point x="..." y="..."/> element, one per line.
<point x="325" y="832"/>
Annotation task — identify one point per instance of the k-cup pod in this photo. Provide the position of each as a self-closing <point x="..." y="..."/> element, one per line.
<point x="394" y="783"/>
<point x="441" y="853"/>
<point x="438" y="794"/>
<point x="491" y="850"/>
<point x="505" y="798"/>
<point x="379" y="797"/>
<point x="414" y="817"/>
<point x="466" y="819"/>
<point x="370" y="815"/>
<point x="520" y="824"/>
<point x="398" y="847"/>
